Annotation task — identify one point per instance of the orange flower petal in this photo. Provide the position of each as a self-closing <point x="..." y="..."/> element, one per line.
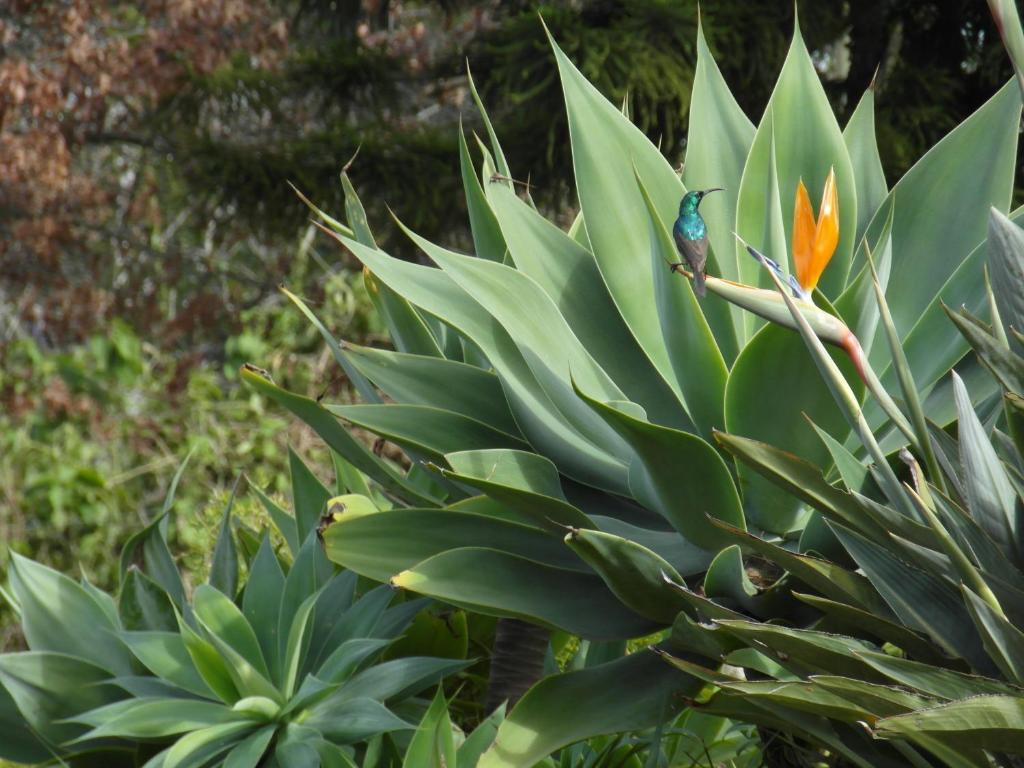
<point x="826" y="234"/>
<point x="803" y="234"/>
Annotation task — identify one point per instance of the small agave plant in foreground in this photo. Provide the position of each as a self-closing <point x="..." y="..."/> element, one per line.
<point x="283" y="670"/>
<point x="560" y="392"/>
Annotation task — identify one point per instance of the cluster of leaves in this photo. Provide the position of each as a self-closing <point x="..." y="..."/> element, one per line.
<point x="91" y="434"/>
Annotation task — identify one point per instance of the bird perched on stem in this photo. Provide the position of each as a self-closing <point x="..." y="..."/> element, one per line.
<point x="691" y="234"/>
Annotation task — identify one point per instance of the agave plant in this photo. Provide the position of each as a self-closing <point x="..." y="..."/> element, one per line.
<point x="911" y="631"/>
<point x="286" y="671"/>
<point x="558" y="391"/>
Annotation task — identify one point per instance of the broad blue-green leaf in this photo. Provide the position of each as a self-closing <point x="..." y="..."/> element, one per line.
<point x="567" y="272"/>
<point x="309" y="496"/>
<point x="198" y="747"/>
<point x="51" y="604"/>
<point x="248" y="752"/>
<point x="379" y="545"/>
<point x="353" y="720"/>
<point x="143" y="604"/>
<point x="224" y="566"/>
<point x="483" y="223"/>
<point x="154" y="718"/>
<point x="164" y="654"/>
<point x="633" y="693"/>
<point x="408" y="330"/>
<point x="20" y="744"/>
<point x="222" y="618"/>
<point x="993" y="723"/>
<point x="717" y="144"/>
<point x="433" y="744"/>
<point x="700" y="371"/>
<point x="148" y="550"/>
<point x="969" y="171"/>
<point x="799" y="125"/>
<point x="676" y="474"/>
<point x="447" y="384"/>
<point x="50" y="687"/>
<point x="1003" y="641"/>
<point x="510" y="585"/>
<point x="261" y="603"/>
<point x="426" y="429"/>
<point x="605" y="149"/>
<point x="544" y="425"/>
<point x="862" y="145"/>
<point x="1006" y="268"/>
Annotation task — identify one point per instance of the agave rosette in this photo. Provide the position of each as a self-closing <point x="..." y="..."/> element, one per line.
<point x="558" y="390"/>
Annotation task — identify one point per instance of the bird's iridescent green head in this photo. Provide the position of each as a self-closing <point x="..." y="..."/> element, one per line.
<point x="691" y="200"/>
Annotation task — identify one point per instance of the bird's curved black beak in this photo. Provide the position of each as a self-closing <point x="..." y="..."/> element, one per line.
<point x="713" y="189"/>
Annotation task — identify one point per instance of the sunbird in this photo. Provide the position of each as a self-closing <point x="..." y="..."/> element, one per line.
<point x="691" y="234"/>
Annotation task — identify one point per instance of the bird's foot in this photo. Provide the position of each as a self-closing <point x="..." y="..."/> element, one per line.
<point x="675" y="267"/>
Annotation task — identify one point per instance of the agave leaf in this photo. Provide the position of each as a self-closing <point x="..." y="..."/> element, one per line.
<point x="224" y="566"/>
<point x="799" y="125"/>
<point x="631" y="693"/>
<point x="803" y="696"/>
<point x="633" y="573"/>
<point x="425" y="429"/>
<point x="859" y="136"/>
<point x="375" y="546"/>
<point x="50" y="603"/>
<point x="567" y="272"/>
<point x="210" y="664"/>
<point x="700" y="371"/>
<point x="718" y="141"/>
<point x="21" y="744"/>
<point x="447" y="384"/>
<point x="49" y="688"/>
<point x="968" y="171"/>
<point x="223" y="619"/>
<point x="499" y="155"/>
<point x="153" y="718"/>
<point x="261" y="603"/>
<point x="469" y="752"/>
<point x="775" y="361"/>
<point x="522" y="481"/>
<point x="143" y="605"/>
<point x="511" y="585"/>
<point x="392" y="681"/>
<point x="325" y="425"/>
<point x="994" y="723"/>
<point x="406" y="327"/>
<point x="726" y="581"/>
<point x="676" y="474"/>
<point x="309" y="496"/>
<point x="148" y="550"/>
<point x="165" y="655"/>
<point x="544" y="425"/>
<point x="433" y="744"/>
<point x="1004" y="13"/>
<point x="248" y="752"/>
<point x="487" y="238"/>
<point x="198" y="747"/>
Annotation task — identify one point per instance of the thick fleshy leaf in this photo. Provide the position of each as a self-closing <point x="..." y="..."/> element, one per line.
<point x="309" y="496"/>
<point x="469" y="752"/>
<point x="1003" y="641"/>
<point x="395" y="680"/>
<point x="969" y="171"/>
<point x="522" y="481"/>
<point x="700" y="371"/>
<point x="198" y="747"/>
<point x="327" y="426"/>
<point x="143" y="604"/>
<point x="801" y="132"/>
<point x="154" y="718"/>
<point x="261" y="603"/>
<point x="1006" y="268"/>
<point x="224" y="566"/>
<point x="677" y="475"/>
<point x="717" y="144"/>
<point x="148" y="550"/>
<point x="567" y="272"/>
<point x="487" y="238"/>
<point x="447" y="384"/>
<point x="544" y="425"/>
<point x="510" y="585"/>
<point x="164" y="654"/>
<point x="433" y="744"/>
<point x="248" y="752"/>
<point x="50" y="603"/>
<point x="379" y="546"/>
<point x="221" y="617"/>
<point x="353" y="720"/>
<point x="605" y="146"/>
<point x="50" y="687"/>
<point x="931" y="679"/>
<point x="425" y="429"/>
<point x="868" y="175"/>
<point x="409" y="331"/>
<point x="633" y="693"/>
<point x="20" y="744"/>
<point x="635" y="574"/>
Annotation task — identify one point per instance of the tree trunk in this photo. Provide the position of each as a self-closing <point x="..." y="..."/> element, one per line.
<point x="517" y="662"/>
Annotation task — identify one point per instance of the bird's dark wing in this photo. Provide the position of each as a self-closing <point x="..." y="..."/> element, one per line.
<point x="695" y="252"/>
